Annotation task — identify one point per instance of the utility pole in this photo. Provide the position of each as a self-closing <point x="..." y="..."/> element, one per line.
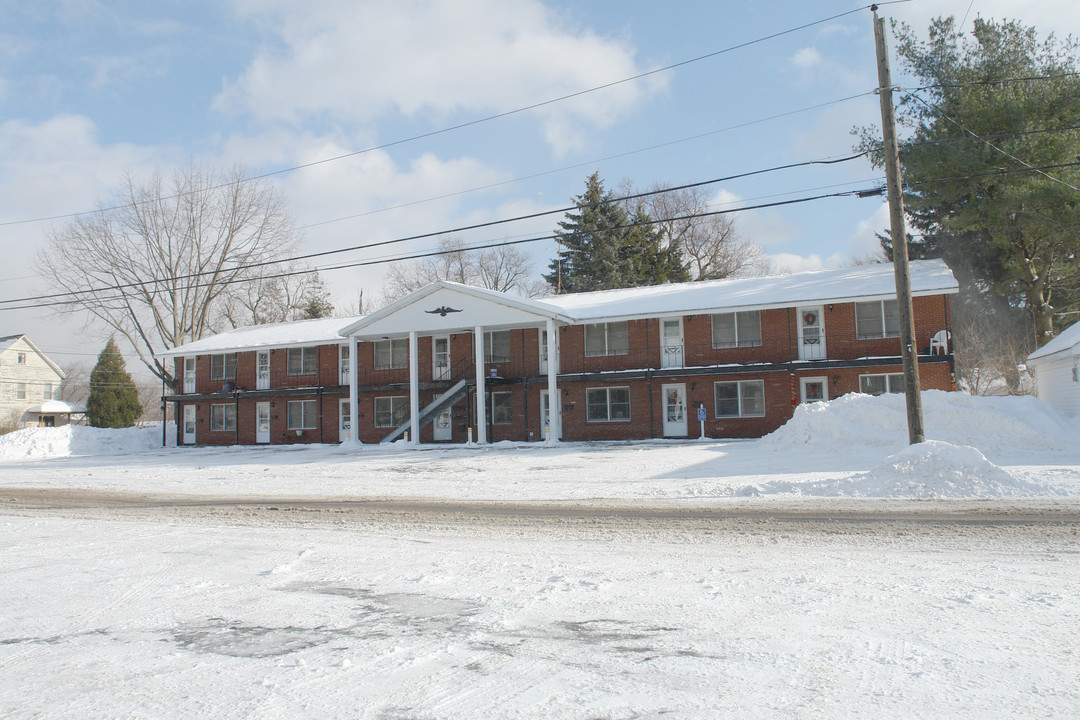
<point x="894" y="184"/>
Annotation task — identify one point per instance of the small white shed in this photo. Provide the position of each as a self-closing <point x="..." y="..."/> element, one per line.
<point x="1056" y="367"/>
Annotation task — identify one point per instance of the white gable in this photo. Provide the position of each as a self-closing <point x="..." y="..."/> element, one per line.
<point x="443" y="308"/>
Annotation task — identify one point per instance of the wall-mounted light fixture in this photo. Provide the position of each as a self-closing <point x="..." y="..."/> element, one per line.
<point x="830" y="308"/>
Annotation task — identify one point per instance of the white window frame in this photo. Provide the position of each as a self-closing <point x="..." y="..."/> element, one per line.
<point x="395" y="352"/>
<point x="398" y="410"/>
<point x="610" y="332"/>
<point x="46" y="391"/>
<point x="894" y="383"/>
<point x="223" y="417"/>
<point x="880" y="317"/>
<point x="306" y="360"/>
<point x="20" y="358"/>
<point x="743" y="396"/>
<point x="743" y="338"/>
<point x="344" y="366"/>
<point x="607" y="404"/>
<point x="227" y="369"/>
<point x="20" y="390"/>
<point x="493" y="339"/>
<point x="500" y="410"/>
<point x="304" y="412"/>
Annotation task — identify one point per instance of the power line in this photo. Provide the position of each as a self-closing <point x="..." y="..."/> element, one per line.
<point x="421" y="236"/>
<point x="477" y="121"/>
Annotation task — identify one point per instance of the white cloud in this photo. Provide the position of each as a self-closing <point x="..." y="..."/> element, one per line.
<point x="353" y="62"/>
<point x="807" y="57"/>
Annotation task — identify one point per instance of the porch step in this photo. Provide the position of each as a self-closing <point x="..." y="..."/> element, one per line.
<point x="433" y="408"/>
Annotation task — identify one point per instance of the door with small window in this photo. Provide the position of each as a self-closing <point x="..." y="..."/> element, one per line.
<point x="440" y="358"/>
<point x="344" y="420"/>
<point x="674" y="410"/>
<point x="189" y="375"/>
<point x="262" y="370"/>
<point x="262" y="422"/>
<point x="545" y="416"/>
<point x="189" y="425"/>
<point x="442" y="427"/>
<point x="811" y="334"/>
<point x="671" y="343"/>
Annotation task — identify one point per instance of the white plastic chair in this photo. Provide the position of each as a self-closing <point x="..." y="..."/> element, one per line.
<point x="939" y="344"/>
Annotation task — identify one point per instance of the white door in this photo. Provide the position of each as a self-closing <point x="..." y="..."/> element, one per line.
<point x="262" y="422"/>
<point x="189" y="424"/>
<point x="814" y="389"/>
<point x="440" y="358"/>
<point x="544" y="352"/>
<point x="262" y="370"/>
<point x="674" y="410"/>
<point x="343" y="365"/>
<point x="671" y="343"/>
<point x="189" y="375"/>
<point x="544" y="416"/>
<point x="442" y="431"/>
<point x="344" y="422"/>
<point x="811" y="334"/>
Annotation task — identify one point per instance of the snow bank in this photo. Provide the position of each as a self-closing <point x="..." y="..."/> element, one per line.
<point x="35" y="443"/>
<point x="990" y="424"/>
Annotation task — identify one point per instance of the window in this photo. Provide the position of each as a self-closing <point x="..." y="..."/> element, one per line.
<point x="392" y="354"/>
<point x="20" y="391"/>
<point x="46" y="391"/>
<point x="497" y="346"/>
<point x="877" y="319"/>
<point x="223" y="417"/>
<point x="223" y="367"/>
<point x="302" y="415"/>
<point x="20" y="358"/>
<point x="391" y="411"/>
<point x="607" y="339"/>
<point x="744" y="398"/>
<point x="737" y="329"/>
<point x="881" y="384"/>
<point x="498" y="408"/>
<point x="302" y="361"/>
<point x="608" y="404"/>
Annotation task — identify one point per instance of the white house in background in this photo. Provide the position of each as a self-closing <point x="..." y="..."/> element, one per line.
<point x="27" y="379"/>
<point x="1056" y="367"/>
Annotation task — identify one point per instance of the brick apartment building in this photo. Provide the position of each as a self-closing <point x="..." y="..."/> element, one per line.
<point x="629" y="364"/>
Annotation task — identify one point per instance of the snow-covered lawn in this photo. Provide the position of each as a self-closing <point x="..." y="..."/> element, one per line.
<point x="171" y="615"/>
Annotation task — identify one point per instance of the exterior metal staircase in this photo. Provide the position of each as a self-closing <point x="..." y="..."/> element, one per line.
<point x="427" y="415"/>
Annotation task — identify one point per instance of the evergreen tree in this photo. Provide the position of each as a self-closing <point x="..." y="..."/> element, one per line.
<point x="603" y="247"/>
<point x="315" y="302"/>
<point x="114" y="399"/>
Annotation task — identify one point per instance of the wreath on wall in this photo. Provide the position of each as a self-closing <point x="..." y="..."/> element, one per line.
<point x="809" y="318"/>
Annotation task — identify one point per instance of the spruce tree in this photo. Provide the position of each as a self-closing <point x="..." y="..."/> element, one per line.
<point x="114" y="400"/>
<point x="603" y="247"/>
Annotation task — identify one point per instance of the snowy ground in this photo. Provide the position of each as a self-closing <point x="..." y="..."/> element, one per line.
<point x="947" y="590"/>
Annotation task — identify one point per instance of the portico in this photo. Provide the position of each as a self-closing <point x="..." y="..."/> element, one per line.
<point x="440" y="311"/>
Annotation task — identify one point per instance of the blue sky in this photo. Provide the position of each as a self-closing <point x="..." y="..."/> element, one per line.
<point x="91" y="90"/>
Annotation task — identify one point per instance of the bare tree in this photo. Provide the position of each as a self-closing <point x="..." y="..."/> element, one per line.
<point x="711" y="246"/>
<point x="269" y="299"/>
<point x="505" y="268"/>
<point x="75" y="387"/>
<point x="157" y="267"/>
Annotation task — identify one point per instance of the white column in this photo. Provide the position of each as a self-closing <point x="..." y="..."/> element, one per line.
<point x="554" y="402"/>
<point x="414" y="390"/>
<point x="354" y="402"/>
<point x="481" y="392"/>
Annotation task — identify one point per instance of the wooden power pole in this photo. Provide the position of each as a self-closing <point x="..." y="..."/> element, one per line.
<point x="899" y="238"/>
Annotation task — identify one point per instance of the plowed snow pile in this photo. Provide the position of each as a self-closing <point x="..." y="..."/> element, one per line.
<point x="79" y="440"/>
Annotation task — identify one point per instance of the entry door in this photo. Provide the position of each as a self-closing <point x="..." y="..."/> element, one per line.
<point x="189" y="424"/>
<point x="262" y="422"/>
<point x="814" y="389"/>
<point x="811" y="334"/>
<point x="544" y="416"/>
<point x="544" y="352"/>
<point x="344" y="422"/>
<point x="671" y="343"/>
<point x="674" y="410"/>
<point x="440" y="358"/>
<point x="442" y="430"/>
<point x="262" y="370"/>
<point x="189" y="375"/>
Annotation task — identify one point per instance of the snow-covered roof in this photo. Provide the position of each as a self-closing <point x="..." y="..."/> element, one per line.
<point x="6" y="342"/>
<point x="861" y="282"/>
<point x="254" y="337"/>
<point x="1066" y="341"/>
<point x="56" y="406"/>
